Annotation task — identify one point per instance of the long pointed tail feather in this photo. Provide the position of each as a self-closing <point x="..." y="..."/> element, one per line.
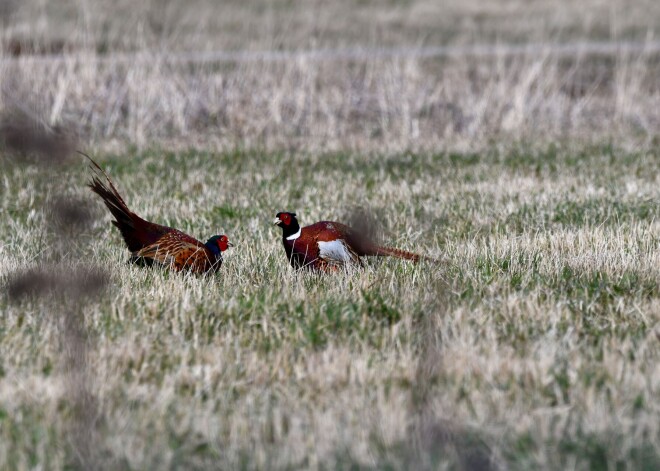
<point x="125" y="219"/>
<point x="398" y="253"/>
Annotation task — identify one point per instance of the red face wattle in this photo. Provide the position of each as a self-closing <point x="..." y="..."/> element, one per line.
<point x="285" y="219"/>
<point x="223" y="243"/>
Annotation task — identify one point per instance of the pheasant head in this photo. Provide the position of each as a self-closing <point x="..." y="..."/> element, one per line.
<point x="288" y="222"/>
<point x="218" y="244"/>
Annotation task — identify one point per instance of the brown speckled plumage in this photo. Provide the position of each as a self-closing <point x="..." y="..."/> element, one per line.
<point x="151" y="243"/>
<point x="328" y="245"/>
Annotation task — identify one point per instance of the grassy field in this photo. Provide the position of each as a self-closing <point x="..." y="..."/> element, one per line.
<point x="534" y="176"/>
<point x="534" y="345"/>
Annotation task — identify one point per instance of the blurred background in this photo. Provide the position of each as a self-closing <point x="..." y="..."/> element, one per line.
<point x="348" y="74"/>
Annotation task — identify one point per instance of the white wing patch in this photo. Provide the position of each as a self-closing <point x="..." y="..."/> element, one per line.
<point x="335" y="251"/>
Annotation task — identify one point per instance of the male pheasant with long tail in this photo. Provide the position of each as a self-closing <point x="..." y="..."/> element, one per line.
<point x="152" y="243"/>
<point x="327" y="245"/>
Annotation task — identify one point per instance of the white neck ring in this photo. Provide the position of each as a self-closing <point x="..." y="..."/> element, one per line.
<point x="294" y="236"/>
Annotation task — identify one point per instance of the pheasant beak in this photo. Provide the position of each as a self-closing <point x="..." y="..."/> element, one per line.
<point x="277" y="221"/>
<point x="229" y="244"/>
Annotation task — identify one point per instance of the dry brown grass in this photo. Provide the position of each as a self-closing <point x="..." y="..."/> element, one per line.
<point x="363" y="103"/>
<point x="534" y="345"/>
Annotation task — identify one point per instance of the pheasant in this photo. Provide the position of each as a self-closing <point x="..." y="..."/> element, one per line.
<point x="152" y="243"/>
<point x="328" y="245"/>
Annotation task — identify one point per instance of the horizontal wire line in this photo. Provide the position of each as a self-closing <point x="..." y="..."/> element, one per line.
<point x="357" y="53"/>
